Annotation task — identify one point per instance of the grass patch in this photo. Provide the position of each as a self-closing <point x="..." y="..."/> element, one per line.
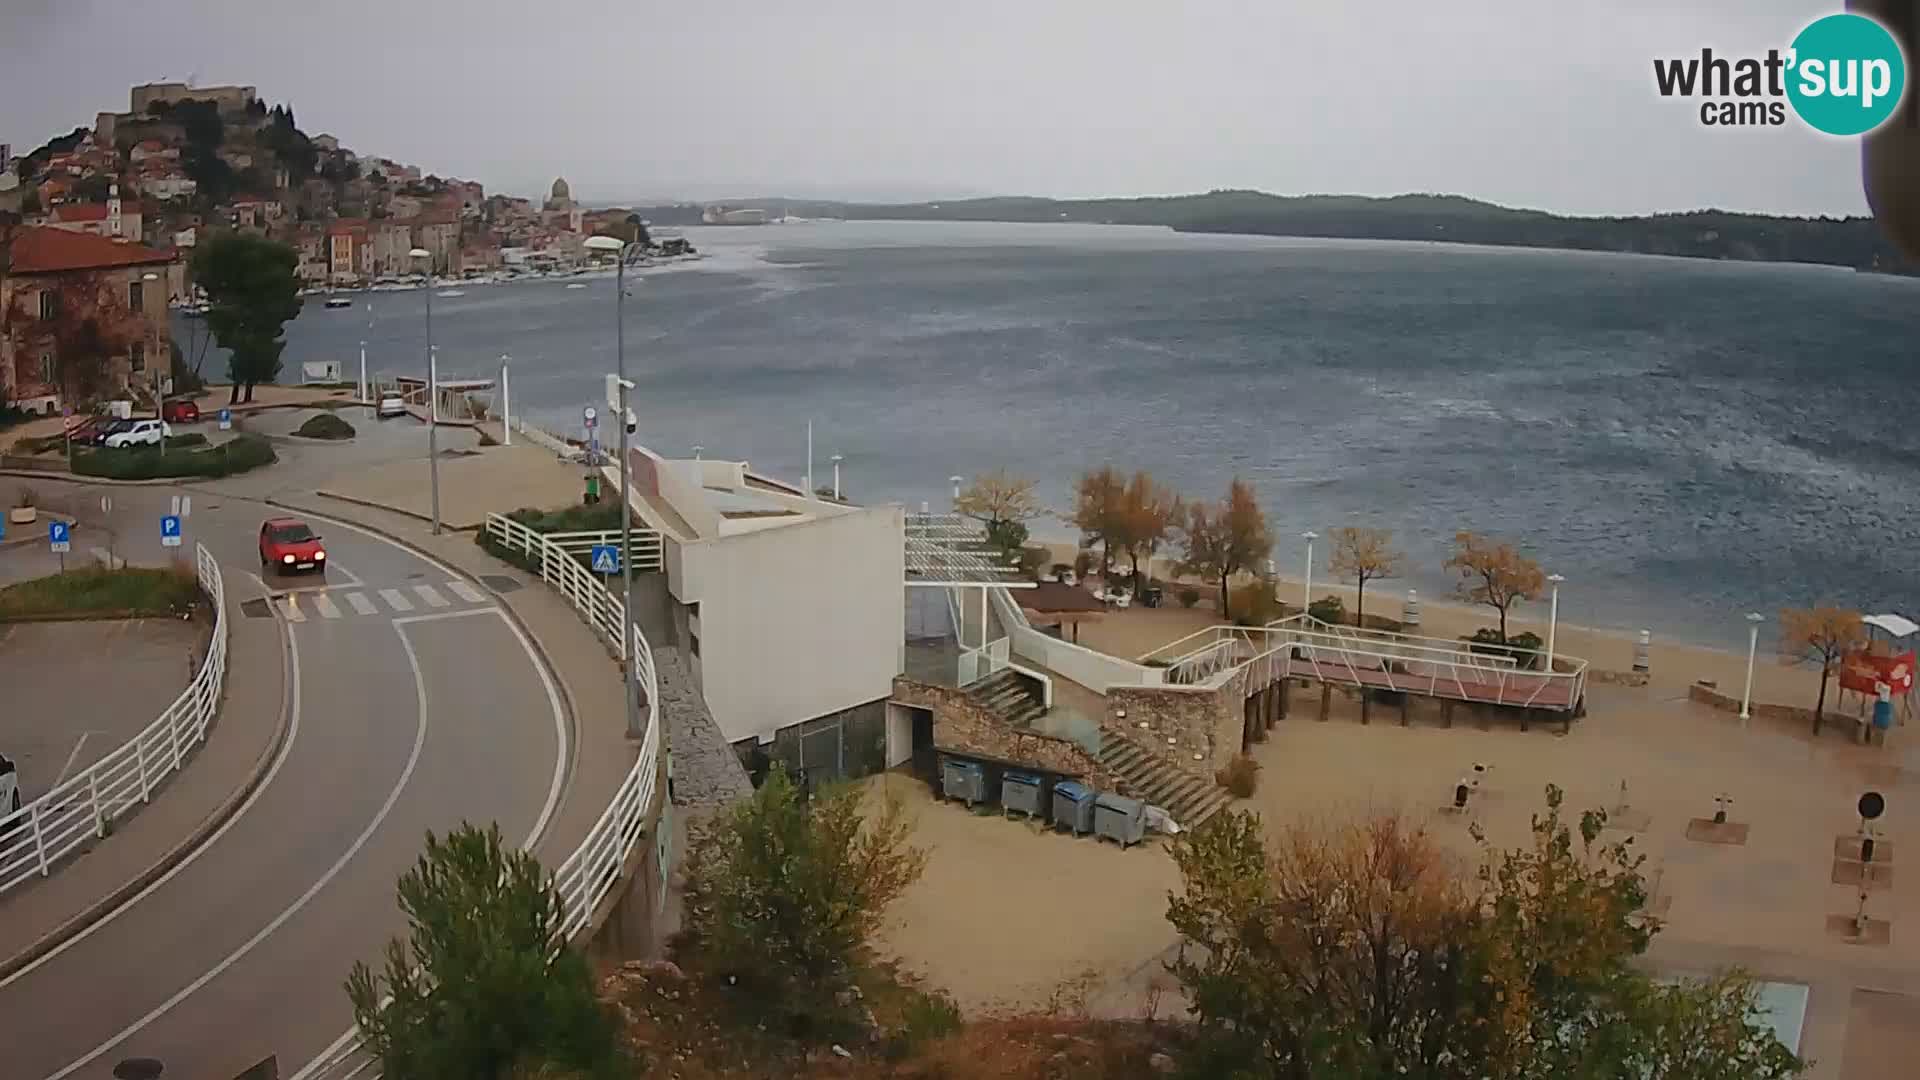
<point x="325" y="426"/>
<point x="148" y="463"/>
<point x="138" y="591"/>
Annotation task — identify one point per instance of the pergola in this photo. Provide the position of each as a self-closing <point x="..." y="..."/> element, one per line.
<point x="946" y="551"/>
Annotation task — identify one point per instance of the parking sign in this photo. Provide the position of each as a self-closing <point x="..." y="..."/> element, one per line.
<point x="170" y="531"/>
<point x="226" y="419"/>
<point x="57" y="537"/>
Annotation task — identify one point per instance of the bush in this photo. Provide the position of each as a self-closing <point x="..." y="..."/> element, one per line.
<point x="325" y="426"/>
<point x="1487" y="642"/>
<point x="1240" y="777"/>
<point x="1328" y="609"/>
<point x="1189" y="596"/>
<point x="134" y="590"/>
<point x="186" y="442"/>
<point x="148" y="463"/>
<point x="1253" y="604"/>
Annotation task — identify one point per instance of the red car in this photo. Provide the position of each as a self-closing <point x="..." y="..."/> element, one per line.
<point x="287" y="545"/>
<point x="180" y="411"/>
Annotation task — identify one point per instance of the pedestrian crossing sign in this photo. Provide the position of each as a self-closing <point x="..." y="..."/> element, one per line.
<point x="606" y="559"/>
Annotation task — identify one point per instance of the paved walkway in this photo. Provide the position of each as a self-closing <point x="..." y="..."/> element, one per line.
<point x="473" y="483"/>
<point x="244" y="737"/>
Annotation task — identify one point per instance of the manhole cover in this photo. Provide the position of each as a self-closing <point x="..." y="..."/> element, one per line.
<point x="499" y="583"/>
<point x="255" y="609"/>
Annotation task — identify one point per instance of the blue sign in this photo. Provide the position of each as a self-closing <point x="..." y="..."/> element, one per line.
<point x="226" y="419"/>
<point x="3" y="528"/>
<point x="57" y="536"/>
<point x="170" y="530"/>
<point x="606" y="559"/>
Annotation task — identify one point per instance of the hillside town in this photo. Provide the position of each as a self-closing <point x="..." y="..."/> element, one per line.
<point x="98" y="228"/>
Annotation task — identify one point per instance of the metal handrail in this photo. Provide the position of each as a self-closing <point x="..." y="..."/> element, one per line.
<point x="588" y="875"/>
<point x="83" y="806"/>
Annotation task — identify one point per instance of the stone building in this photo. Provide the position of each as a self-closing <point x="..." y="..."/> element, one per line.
<point x="80" y="316"/>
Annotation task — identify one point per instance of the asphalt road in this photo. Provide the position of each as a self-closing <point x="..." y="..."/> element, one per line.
<point x="416" y="705"/>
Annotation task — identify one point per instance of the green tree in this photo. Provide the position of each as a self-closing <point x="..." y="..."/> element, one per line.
<point x="1225" y="539"/>
<point x="481" y="984"/>
<point x="1151" y="513"/>
<point x="251" y="286"/>
<point x="784" y="894"/>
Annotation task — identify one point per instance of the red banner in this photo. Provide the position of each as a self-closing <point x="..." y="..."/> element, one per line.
<point x="1862" y="673"/>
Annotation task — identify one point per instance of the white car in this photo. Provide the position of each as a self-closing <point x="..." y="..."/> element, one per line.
<point x="142" y="433"/>
<point x="9" y="789"/>
<point x="391" y="405"/>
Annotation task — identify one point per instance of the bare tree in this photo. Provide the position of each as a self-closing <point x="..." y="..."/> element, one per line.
<point x="1363" y="555"/>
<point x="1494" y="574"/>
<point x="1004" y="503"/>
<point x="1822" y="634"/>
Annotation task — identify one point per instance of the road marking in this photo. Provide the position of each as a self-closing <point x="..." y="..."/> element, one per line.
<point x="466" y="592"/>
<point x="325" y="605"/>
<point x="396" y="600"/>
<point x="439" y="615"/>
<point x="294" y="614"/>
<point x="432" y="597"/>
<point x="71" y="758"/>
<point x="361" y="605"/>
<point x="286" y="750"/>
<point x="413" y="759"/>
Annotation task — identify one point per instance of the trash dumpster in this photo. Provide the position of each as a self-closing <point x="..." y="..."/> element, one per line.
<point x="1119" y="818"/>
<point x="1073" y="806"/>
<point x="1024" y="792"/>
<point x="963" y="780"/>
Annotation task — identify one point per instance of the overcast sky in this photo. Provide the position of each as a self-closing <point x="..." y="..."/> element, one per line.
<point x="1537" y="103"/>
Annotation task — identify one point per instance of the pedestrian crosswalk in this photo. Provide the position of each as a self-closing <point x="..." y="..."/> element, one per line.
<point x="328" y="603"/>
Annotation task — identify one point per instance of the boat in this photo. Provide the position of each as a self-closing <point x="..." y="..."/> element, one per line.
<point x="450" y="294"/>
<point x="577" y="285"/>
<point x="336" y="302"/>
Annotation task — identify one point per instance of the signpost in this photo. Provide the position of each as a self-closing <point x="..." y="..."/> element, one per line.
<point x="226" y="419"/>
<point x="606" y="559"/>
<point x="58" y="539"/>
<point x="169" y="531"/>
<point x="590" y="419"/>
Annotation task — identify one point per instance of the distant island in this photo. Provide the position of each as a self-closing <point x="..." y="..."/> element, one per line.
<point x="1855" y="242"/>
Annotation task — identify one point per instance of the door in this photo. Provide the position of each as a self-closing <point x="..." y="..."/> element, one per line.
<point x="923" y="755"/>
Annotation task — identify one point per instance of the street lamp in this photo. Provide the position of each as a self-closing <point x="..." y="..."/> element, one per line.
<point x="433" y="393"/>
<point x="1754" y="619"/>
<point x="618" y="248"/>
<point x="837" y="458"/>
<point x="506" y="402"/>
<point x="956" y="481"/>
<point x="1553" y="617"/>
<point x="1306" y="588"/>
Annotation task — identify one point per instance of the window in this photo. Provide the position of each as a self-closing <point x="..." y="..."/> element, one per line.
<point x="46" y="366"/>
<point x="136" y="299"/>
<point x="137" y="357"/>
<point x="49" y="306"/>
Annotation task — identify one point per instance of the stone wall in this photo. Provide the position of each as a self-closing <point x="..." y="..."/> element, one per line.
<point x="1193" y="728"/>
<point x="1710" y="695"/>
<point x="961" y="723"/>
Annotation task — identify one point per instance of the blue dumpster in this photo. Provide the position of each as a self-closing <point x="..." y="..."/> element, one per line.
<point x="1024" y="792"/>
<point x="1073" y="806"/>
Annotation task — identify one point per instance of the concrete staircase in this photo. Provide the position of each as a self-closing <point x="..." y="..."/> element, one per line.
<point x="1010" y="696"/>
<point x="1190" y="799"/>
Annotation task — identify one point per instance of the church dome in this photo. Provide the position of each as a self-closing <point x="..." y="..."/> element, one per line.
<point x="560" y="189"/>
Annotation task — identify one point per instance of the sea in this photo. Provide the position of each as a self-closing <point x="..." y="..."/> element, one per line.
<point x="1684" y="441"/>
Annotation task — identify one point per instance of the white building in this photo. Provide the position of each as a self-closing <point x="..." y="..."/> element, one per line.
<point x="788" y="608"/>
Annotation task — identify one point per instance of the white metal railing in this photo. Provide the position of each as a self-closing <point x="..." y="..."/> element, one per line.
<point x="83" y="806"/>
<point x="563" y="556"/>
<point x="586" y="877"/>
<point x="646" y="545"/>
<point x="1094" y="670"/>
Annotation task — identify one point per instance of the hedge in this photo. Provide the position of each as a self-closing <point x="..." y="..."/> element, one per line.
<point x="148" y="463"/>
<point x="325" y="426"/>
<point x="132" y="590"/>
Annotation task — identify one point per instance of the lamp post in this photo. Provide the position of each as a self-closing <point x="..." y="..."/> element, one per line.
<point x="1306" y="587"/>
<point x="1754" y="619"/>
<point x="618" y="248"/>
<point x="837" y="458"/>
<point x="956" y="481"/>
<point x="506" y="402"/>
<point x="366" y="392"/>
<point x="1553" y="617"/>
<point x="433" y="391"/>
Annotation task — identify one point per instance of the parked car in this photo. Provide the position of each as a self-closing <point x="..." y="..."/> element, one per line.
<point x="140" y="433"/>
<point x="9" y="790"/>
<point x="106" y="429"/>
<point x="289" y="546"/>
<point x="391" y="405"/>
<point x="180" y="411"/>
<point x="81" y="429"/>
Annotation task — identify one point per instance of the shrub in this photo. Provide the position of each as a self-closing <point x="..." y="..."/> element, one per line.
<point x="1487" y="641"/>
<point x="27" y="497"/>
<point x="1032" y="559"/>
<point x="1254" y="605"/>
<point x="186" y="442"/>
<point x="1240" y="777"/>
<point x="1189" y="596"/>
<point x="137" y="590"/>
<point x="1328" y="609"/>
<point x="325" y="426"/>
<point x="148" y="463"/>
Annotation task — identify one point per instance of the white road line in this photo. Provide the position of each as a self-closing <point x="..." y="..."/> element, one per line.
<point x="325" y="605"/>
<point x="286" y="750"/>
<point x="71" y="758"/>
<point x="294" y="614"/>
<point x="440" y="615"/>
<point x="466" y="592"/>
<point x="396" y="600"/>
<point x="361" y="605"/>
<point x="413" y="759"/>
<point x="432" y="597"/>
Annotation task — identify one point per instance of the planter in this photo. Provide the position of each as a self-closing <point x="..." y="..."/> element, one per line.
<point x="23" y="515"/>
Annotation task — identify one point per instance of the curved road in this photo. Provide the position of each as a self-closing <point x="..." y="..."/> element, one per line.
<point x="414" y="705"/>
